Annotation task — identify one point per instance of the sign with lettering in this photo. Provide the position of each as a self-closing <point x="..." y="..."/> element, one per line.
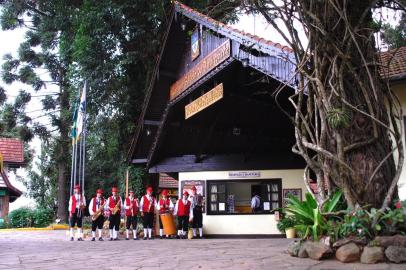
<point x="254" y="174"/>
<point x="212" y="60"/>
<point x="204" y="101"/>
<point x="195" y="44"/>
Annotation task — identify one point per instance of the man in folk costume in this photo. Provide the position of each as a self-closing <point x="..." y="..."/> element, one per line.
<point x="114" y="202"/>
<point x="96" y="207"/>
<point x="184" y="211"/>
<point x="131" y="212"/>
<point x="147" y="206"/>
<point x="197" y="206"/>
<point x="164" y="205"/>
<point x="77" y="203"/>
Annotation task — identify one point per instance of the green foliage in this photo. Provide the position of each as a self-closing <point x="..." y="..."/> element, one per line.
<point x="286" y="223"/>
<point x="338" y="118"/>
<point x="309" y="218"/>
<point x="395" y="36"/>
<point x="26" y="217"/>
<point x="364" y="223"/>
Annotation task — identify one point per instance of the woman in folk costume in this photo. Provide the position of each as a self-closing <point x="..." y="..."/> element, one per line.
<point x="184" y="211"/>
<point x="164" y="205"/>
<point x="113" y="204"/>
<point x="147" y="207"/>
<point x="131" y="213"/>
<point x="197" y="206"/>
<point x="77" y="203"/>
<point x="96" y="207"/>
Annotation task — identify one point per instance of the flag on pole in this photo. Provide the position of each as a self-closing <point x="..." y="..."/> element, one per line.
<point x="81" y="113"/>
<point x="74" y="126"/>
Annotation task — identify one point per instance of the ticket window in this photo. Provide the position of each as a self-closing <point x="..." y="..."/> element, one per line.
<point x="234" y="196"/>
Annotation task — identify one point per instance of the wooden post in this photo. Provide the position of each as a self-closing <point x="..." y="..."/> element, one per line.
<point x="126" y="185"/>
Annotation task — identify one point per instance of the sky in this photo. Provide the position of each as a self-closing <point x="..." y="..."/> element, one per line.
<point x="9" y="43"/>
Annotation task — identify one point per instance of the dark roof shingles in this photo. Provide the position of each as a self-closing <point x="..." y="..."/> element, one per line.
<point x="394" y="63"/>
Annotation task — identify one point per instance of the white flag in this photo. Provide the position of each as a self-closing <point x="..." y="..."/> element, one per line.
<point x="81" y="113"/>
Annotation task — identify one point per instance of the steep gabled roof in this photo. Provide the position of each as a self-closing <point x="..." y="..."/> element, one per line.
<point x="394" y="64"/>
<point x="278" y="52"/>
<point x="12" y="150"/>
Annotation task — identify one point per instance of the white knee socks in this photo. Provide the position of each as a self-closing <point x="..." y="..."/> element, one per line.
<point x="93" y="234"/>
<point x="149" y="233"/>
<point x="135" y="234"/>
<point x="194" y="232"/>
<point x="71" y="232"/>
<point x="111" y="233"/>
<point x="79" y="233"/>
<point x="161" y="232"/>
<point x="201" y="232"/>
<point x="145" y="233"/>
<point x="100" y="233"/>
<point x="127" y="233"/>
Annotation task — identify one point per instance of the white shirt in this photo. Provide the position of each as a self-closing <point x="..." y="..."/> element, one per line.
<point x="255" y="202"/>
<point x="78" y="201"/>
<point x="175" y="211"/>
<point x="128" y="206"/>
<point x="96" y="201"/>
<point x="106" y="206"/>
<point x="150" y="199"/>
<point x="158" y="205"/>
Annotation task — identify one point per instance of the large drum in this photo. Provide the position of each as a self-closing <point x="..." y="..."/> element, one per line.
<point x="169" y="223"/>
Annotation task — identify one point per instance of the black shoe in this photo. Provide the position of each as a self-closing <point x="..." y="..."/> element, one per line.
<point x="111" y="239"/>
<point x="101" y="239"/>
<point x="80" y="239"/>
<point x="160" y="237"/>
<point x="151" y="238"/>
<point x="200" y="237"/>
<point x="145" y="238"/>
<point x="135" y="239"/>
<point x="177" y="237"/>
<point x="127" y="238"/>
<point x="116" y="239"/>
<point x="72" y="239"/>
<point x="93" y="239"/>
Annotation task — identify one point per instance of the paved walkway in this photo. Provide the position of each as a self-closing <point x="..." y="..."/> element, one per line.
<point x="51" y="250"/>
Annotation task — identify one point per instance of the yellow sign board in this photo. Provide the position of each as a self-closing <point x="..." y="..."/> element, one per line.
<point x="215" y="58"/>
<point x="204" y="101"/>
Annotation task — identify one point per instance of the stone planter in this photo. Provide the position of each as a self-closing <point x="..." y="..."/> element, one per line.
<point x="290" y="233"/>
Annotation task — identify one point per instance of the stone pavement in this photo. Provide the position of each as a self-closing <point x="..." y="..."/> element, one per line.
<point x="52" y="250"/>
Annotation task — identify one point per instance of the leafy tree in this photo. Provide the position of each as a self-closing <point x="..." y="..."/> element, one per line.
<point x="395" y="36"/>
<point x="346" y="117"/>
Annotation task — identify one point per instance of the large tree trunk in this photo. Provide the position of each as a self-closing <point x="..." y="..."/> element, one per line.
<point x="345" y="121"/>
<point x="63" y="148"/>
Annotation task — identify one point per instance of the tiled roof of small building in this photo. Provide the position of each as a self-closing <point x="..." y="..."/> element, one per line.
<point x="397" y="63"/>
<point x="12" y="150"/>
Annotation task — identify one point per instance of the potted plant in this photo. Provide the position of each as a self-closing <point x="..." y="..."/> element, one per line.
<point x="286" y="225"/>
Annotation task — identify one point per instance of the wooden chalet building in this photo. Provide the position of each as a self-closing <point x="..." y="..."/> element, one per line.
<point x="12" y="151"/>
<point x="209" y="119"/>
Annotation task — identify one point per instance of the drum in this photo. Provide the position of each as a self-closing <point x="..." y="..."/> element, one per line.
<point x="169" y="223"/>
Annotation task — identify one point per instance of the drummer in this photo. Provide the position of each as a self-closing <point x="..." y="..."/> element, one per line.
<point x="164" y="206"/>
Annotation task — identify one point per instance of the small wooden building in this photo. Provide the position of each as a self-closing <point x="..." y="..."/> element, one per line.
<point x="210" y="119"/>
<point x="12" y="151"/>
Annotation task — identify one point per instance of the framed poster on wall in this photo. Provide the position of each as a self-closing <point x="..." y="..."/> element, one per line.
<point x="200" y="188"/>
<point x="297" y="192"/>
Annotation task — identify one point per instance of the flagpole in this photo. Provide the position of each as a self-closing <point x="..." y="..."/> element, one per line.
<point x="71" y="168"/>
<point x="84" y="139"/>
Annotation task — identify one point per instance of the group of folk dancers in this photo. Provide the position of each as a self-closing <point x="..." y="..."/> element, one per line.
<point x="188" y="209"/>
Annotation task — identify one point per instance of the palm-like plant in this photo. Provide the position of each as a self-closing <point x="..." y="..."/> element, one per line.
<point x="309" y="218"/>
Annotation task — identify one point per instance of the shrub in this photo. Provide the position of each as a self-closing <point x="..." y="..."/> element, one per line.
<point x="22" y="217"/>
<point x="43" y="217"/>
<point x="286" y="223"/>
<point x="27" y="217"/>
